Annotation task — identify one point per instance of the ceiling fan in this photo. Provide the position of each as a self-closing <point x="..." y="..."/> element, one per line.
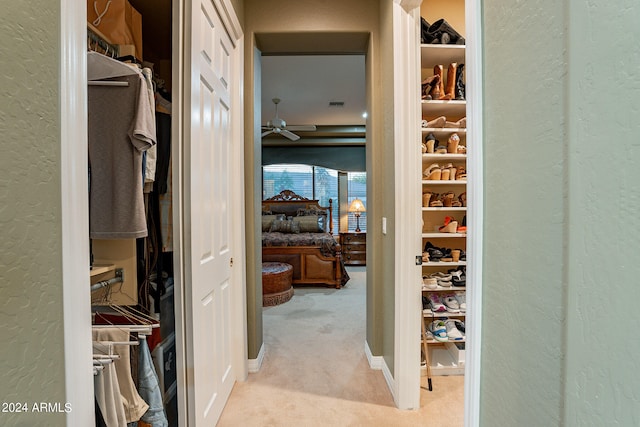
<point x="279" y="126"/>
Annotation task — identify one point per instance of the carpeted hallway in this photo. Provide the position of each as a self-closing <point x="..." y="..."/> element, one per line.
<point x="315" y="372"/>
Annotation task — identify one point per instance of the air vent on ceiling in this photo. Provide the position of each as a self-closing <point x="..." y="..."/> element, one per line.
<point x="336" y="103"/>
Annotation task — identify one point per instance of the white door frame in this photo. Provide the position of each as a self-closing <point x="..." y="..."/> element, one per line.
<point x="406" y="27"/>
<point x="75" y="210"/>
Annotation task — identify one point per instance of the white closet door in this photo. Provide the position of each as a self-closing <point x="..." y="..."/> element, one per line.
<point x="207" y="228"/>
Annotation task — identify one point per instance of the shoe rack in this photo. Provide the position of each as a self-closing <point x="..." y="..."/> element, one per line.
<point x="444" y="180"/>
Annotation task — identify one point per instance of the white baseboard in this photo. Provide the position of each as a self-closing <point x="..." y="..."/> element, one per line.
<point x="256" y="364"/>
<point x="375" y="362"/>
<point x="378" y="363"/>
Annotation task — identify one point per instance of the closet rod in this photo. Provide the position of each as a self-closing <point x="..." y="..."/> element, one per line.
<point x="118" y="279"/>
<point x="118" y="342"/>
<point x="130" y="328"/>
<point x="107" y="83"/>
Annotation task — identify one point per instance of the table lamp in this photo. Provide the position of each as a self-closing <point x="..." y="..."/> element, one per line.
<point x="357" y="207"/>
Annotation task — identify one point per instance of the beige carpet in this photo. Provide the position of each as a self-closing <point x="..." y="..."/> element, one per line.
<point x="315" y="372"/>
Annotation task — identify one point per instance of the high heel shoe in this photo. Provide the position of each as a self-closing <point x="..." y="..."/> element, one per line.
<point x="447" y="199"/>
<point x="450" y="225"/>
<point x="436" y="201"/>
<point x="433" y="172"/>
<point x="463" y="199"/>
<point x="430" y="141"/>
<point x="445" y="173"/>
<point x="452" y="143"/>
<point x="461" y="175"/>
<point x="452" y="172"/>
<point x="426" y="198"/>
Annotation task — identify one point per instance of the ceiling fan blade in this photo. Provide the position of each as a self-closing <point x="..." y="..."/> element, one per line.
<point x="267" y="133"/>
<point x="291" y="136"/>
<point x="309" y="128"/>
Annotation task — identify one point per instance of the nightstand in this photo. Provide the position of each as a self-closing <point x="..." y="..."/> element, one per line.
<point x="354" y="248"/>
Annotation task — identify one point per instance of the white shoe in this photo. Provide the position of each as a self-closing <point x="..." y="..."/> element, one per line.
<point x="452" y="331"/>
<point x="451" y="304"/>
<point x="438" y="329"/>
<point x="461" y="297"/>
<point x="429" y="283"/>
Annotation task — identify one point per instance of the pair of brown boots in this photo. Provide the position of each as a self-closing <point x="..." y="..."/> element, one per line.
<point x="434" y="87"/>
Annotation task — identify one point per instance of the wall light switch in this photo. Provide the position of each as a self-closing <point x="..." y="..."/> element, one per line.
<point x="384" y="225"/>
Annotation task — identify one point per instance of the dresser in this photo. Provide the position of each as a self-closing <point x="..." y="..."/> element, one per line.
<point x="354" y="248"/>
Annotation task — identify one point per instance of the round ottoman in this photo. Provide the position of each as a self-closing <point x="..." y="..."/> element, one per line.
<point x="276" y="283"/>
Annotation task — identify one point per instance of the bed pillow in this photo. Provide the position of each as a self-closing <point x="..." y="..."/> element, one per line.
<point x="285" y="226"/>
<point x="268" y="219"/>
<point x="321" y="214"/>
<point x="311" y="223"/>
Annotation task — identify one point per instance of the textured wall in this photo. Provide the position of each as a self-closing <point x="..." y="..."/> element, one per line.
<point x="274" y="16"/>
<point x="603" y="349"/>
<point x="524" y="213"/>
<point x="383" y="177"/>
<point x="31" y="341"/>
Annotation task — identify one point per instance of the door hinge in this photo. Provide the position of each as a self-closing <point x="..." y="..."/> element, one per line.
<point x="418" y="259"/>
<point x="231" y="262"/>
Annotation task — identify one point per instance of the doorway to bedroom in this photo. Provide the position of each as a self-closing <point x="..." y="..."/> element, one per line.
<point x="313" y="146"/>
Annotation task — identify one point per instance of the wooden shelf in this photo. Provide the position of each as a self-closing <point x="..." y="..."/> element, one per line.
<point x="436" y="157"/>
<point x="428" y="314"/>
<point x="443" y="289"/>
<point x="441" y="54"/>
<point x="444" y="264"/>
<point x="443" y="235"/>
<point x="451" y="109"/>
<point x="441" y="182"/>
<point x="442" y="362"/>
<point x="101" y="269"/>
<point x="444" y="131"/>
<point x="456" y="209"/>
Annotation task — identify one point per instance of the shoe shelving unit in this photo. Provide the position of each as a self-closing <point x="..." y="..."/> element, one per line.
<point x="445" y="357"/>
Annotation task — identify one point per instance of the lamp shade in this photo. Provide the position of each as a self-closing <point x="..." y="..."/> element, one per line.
<point x="357" y="206"/>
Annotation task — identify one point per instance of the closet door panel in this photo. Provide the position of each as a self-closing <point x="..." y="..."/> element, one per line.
<point x="207" y="201"/>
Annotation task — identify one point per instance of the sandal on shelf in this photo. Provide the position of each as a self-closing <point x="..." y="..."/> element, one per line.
<point x="445" y="173"/>
<point x="426" y="198"/>
<point x="447" y="199"/>
<point x="452" y="143"/>
<point x="433" y="172"/>
<point x="424" y="148"/>
<point x="452" y="171"/>
<point x="430" y="141"/>
<point x="438" y="122"/>
<point x="460" y="124"/>
<point x="461" y="175"/>
<point x="450" y="225"/>
<point x="441" y="149"/>
<point x="436" y="201"/>
<point x="463" y="199"/>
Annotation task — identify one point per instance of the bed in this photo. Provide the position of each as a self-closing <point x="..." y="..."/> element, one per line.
<point x="299" y="231"/>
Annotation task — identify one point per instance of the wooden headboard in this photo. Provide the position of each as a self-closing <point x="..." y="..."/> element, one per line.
<point x="288" y="202"/>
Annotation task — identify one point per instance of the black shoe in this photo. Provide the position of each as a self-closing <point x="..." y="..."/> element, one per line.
<point x="443" y="33"/>
<point x="460" y="89"/>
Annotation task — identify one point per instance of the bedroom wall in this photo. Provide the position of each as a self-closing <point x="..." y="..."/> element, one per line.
<point x="309" y="16"/>
<point x="31" y="298"/>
